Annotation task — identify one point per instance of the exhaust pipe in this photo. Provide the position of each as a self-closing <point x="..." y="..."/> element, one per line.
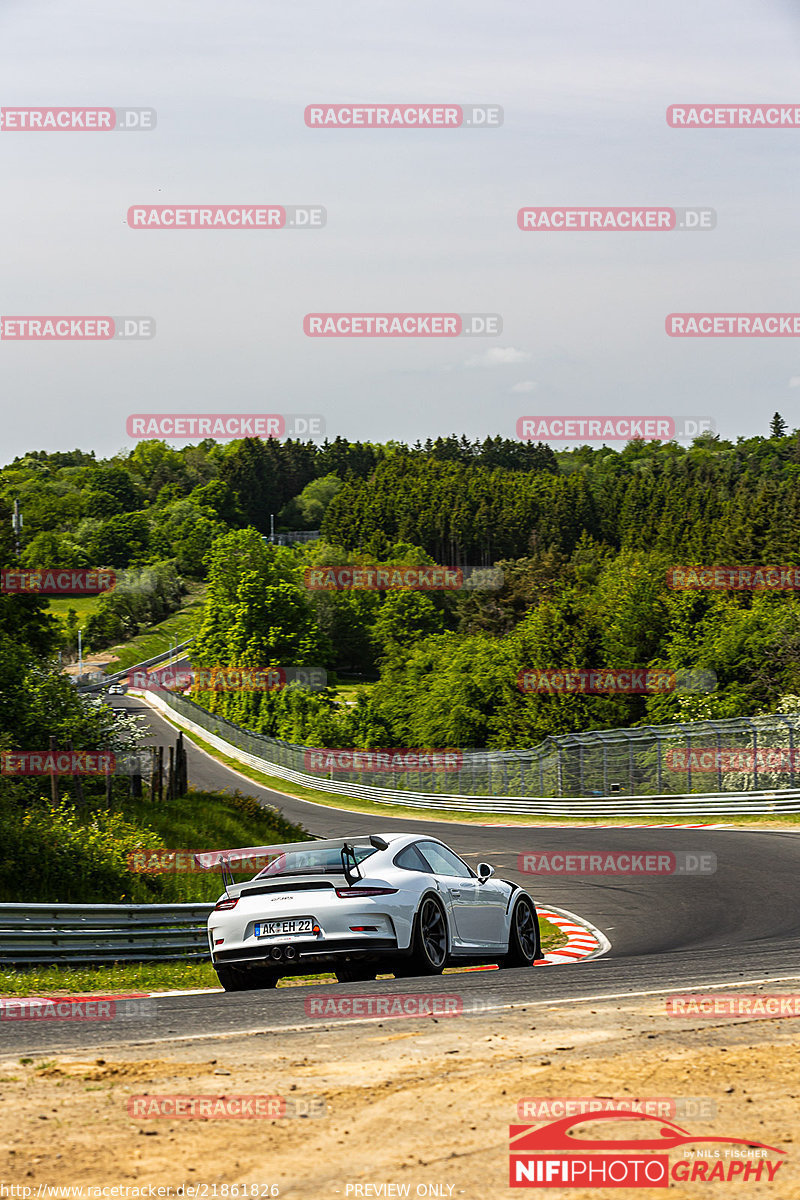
<point x="291" y="953"/>
<point x="277" y="953"/>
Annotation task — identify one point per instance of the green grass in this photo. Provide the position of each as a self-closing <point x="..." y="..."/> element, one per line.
<point x="207" y="820"/>
<point x="123" y="977"/>
<point x="158" y="638"/>
<point x="163" y="977"/>
<point x="84" y="606"/>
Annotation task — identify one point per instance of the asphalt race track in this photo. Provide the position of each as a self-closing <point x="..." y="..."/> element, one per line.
<point x="668" y="934"/>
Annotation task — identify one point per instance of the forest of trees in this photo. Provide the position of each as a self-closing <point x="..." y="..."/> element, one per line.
<point x="584" y="540"/>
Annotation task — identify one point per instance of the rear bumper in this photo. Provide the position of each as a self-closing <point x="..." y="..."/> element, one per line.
<point x="307" y="954"/>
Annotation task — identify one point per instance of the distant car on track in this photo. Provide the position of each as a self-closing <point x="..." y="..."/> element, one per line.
<point x="117" y="689"/>
<point x="402" y="904"/>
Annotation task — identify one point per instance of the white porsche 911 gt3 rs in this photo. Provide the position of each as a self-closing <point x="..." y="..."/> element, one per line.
<point x="403" y="904"/>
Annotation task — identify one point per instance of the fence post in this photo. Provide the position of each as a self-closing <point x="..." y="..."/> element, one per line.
<point x="791" y="755"/>
<point x="53" y="776"/>
<point x="136" y="782"/>
<point x="171" y="774"/>
<point x="153" y="764"/>
<point x="755" y="760"/>
<point x="181" y="785"/>
<point x="78" y="783"/>
<point x="160" y="773"/>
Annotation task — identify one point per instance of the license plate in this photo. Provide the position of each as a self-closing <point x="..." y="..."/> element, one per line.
<point x="276" y="928"/>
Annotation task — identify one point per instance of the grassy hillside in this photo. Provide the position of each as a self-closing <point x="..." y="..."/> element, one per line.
<point x="56" y="853"/>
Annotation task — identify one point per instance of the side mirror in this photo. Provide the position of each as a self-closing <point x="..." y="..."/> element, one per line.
<point x="484" y="872"/>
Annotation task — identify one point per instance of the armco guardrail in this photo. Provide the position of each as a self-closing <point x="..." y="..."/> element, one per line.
<point x="83" y="934"/>
<point x="147" y="662"/>
<point x="697" y="804"/>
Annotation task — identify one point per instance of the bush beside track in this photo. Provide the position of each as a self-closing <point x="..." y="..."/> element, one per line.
<point x="59" y="853"/>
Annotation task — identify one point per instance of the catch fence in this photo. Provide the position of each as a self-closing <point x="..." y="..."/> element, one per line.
<point x="746" y="764"/>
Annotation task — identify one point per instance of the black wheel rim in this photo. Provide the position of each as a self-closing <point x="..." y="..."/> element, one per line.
<point x="525" y="925"/>
<point x="434" y="935"/>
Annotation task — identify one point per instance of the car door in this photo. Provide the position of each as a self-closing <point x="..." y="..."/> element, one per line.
<point x="463" y="889"/>
<point x="410" y="859"/>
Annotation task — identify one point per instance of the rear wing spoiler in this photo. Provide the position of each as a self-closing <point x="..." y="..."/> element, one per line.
<point x="263" y="855"/>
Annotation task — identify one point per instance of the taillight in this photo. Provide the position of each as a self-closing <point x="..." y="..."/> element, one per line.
<point x="355" y="892"/>
<point x="226" y="903"/>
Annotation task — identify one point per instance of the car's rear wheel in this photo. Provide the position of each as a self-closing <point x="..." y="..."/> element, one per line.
<point x="523" y="936"/>
<point x="428" y="942"/>
<point x="355" y="973"/>
<point x="234" y="979"/>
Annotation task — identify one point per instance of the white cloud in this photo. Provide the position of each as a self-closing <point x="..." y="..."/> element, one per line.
<point x="794" y="381"/>
<point x="498" y="356"/>
<point x="524" y="385"/>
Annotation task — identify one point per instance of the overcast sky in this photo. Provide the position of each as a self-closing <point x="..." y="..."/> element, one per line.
<point x="417" y="220"/>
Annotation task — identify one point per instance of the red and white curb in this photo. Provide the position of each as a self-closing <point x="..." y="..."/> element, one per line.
<point x="584" y="941"/>
<point x="586" y="825"/>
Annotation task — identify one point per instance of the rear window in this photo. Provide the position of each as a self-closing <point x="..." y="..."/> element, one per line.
<point x="326" y="861"/>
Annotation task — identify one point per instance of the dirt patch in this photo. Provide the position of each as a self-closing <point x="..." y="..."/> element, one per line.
<point x="422" y="1103"/>
<point x="92" y="662"/>
<point x="100" y="1069"/>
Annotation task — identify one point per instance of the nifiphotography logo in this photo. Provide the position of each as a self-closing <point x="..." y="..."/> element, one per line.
<point x="551" y="1156"/>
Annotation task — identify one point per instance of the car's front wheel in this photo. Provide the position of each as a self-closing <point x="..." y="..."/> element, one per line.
<point x="523" y="936"/>
<point x="428" y="942"/>
<point x="233" y="979"/>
